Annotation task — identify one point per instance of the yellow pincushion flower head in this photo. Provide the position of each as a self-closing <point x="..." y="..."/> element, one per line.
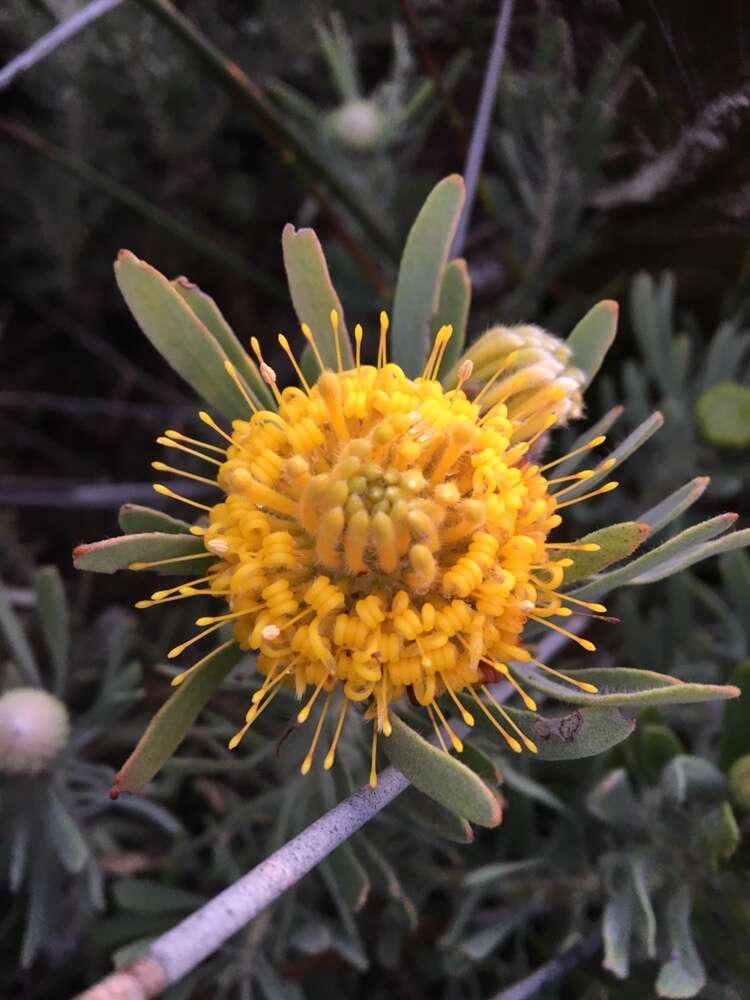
<point x="381" y="537"/>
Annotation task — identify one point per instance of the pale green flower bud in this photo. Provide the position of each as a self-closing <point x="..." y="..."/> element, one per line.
<point x="529" y="360"/>
<point x="739" y="782"/>
<point x="34" y="728"/>
<point x="358" y="125"/>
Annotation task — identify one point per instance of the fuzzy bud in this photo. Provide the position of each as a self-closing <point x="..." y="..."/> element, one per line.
<point x="34" y="728"/>
<point x="530" y="359"/>
<point x="357" y="125"/>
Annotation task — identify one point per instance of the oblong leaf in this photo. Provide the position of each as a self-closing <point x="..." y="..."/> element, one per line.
<point x="616" y="542"/>
<point x="213" y="319"/>
<point x="453" y="309"/>
<point x="65" y="836"/>
<point x="735" y="540"/>
<point x="18" y="645"/>
<point x="171" y="723"/>
<point x="735" y="725"/>
<point x="602" y="426"/>
<point x="490" y="876"/>
<point x="683" y="975"/>
<point x="313" y="294"/>
<point x="112" y="554"/>
<point x="177" y="334"/>
<point x="624" y="686"/>
<point x="582" y="733"/>
<point x="54" y="617"/>
<point x="417" y="297"/>
<point x="137" y="520"/>
<point x="592" y="337"/>
<point x="440" y="776"/>
<point x="428" y="813"/>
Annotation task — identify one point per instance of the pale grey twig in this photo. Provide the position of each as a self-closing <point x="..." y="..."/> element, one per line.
<point x="173" y="955"/>
<point x="60" y="34"/>
<point x="481" y="127"/>
<point x="548" y="973"/>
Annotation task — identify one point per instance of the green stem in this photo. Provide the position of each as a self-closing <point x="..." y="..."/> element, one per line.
<point x="290" y="147"/>
<point x="118" y="192"/>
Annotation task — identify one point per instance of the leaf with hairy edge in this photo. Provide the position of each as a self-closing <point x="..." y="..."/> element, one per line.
<point x="736" y="540"/>
<point x="423" y="262"/>
<point x="54" y="617"/>
<point x="112" y="554"/>
<point x="177" y="334"/>
<point x="313" y="294"/>
<point x="623" y="686"/>
<point x="621" y="453"/>
<point x="428" y="813"/>
<point x="592" y="337"/>
<point x="616" y="542"/>
<point x="453" y="309"/>
<point x="136" y="520"/>
<point x="582" y="733"/>
<point x="171" y="723"/>
<point x="676" y="503"/>
<point x="660" y="562"/>
<point x="440" y="776"/>
<point x="212" y="318"/>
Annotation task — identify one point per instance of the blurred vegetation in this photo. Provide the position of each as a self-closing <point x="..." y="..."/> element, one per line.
<point x="616" y="166"/>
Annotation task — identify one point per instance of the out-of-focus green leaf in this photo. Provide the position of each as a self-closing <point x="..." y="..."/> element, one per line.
<point x="582" y="733"/>
<point x="478" y="946"/>
<point x="657" y="745"/>
<point x="112" y="554"/>
<point x="17" y="643"/>
<point x="136" y="520"/>
<point x="54" y="617"/>
<point x="350" y="876"/>
<point x="723" y="413"/>
<point x="177" y="333"/>
<point x="592" y="337"/>
<point x="688" y="777"/>
<point x="481" y="764"/>
<point x="490" y="876"/>
<point x="386" y="876"/>
<point x="417" y="297"/>
<point x="65" y="837"/>
<point x="143" y="895"/>
<point x="613" y="802"/>
<point x="313" y="294"/>
<point x="171" y="723"/>
<point x="440" y="776"/>
<point x="624" y="686"/>
<point x="720" y="832"/>
<point x="453" y="310"/>
<point x="739" y="782"/>
<point x="735" y="727"/>
<point x="617" y="928"/>
<point x="429" y="813"/>
<point x="616" y="542"/>
<point x="531" y="789"/>
<point x="212" y="318"/>
<point x="683" y="975"/>
<point x="735" y="575"/>
<point x="602" y="426"/>
<point x="676" y="503"/>
<point x="39" y="912"/>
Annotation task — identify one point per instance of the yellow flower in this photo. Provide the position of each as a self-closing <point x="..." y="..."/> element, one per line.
<point x="381" y="536"/>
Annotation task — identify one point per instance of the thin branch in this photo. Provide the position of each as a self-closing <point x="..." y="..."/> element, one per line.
<point x="173" y="955"/>
<point x="287" y="143"/>
<point x="118" y="192"/>
<point x="481" y="128"/>
<point x="549" y="973"/>
<point x="60" y="34"/>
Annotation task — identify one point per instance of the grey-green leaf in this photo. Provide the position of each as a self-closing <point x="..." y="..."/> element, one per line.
<point x="17" y="643"/>
<point x="453" y="309"/>
<point x="425" y="256"/>
<point x="429" y="813"/>
<point x="440" y="776"/>
<point x="54" y="617"/>
<point x="212" y="318"/>
<point x="582" y="733"/>
<point x="676" y="503"/>
<point x="683" y="975"/>
<point x="112" y="554"/>
<point x="177" y="333"/>
<point x="313" y="294"/>
<point x="688" y="777"/>
<point x="592" y="337"/>
<point x="137" y="520"/>
<point x="171" y="723"/>
<point x="624" y="687"/>
<point x="350" y="876"/>
<point x="64" y="835"/>
<point x="616" y="542"/>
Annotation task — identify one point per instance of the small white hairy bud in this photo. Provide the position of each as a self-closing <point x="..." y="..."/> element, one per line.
<point x="357" y="125"/>
<point x="34" y="728"/>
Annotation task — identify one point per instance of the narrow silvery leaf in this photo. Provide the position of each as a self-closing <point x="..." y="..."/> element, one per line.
<point x="683" y="975"/>
<point x="112" y="554"/>
<point x="137" y="520"/>
<point x="602" y="426"/>
<point x="676" y="503"/>
<point x="592" y="337"/>
<point x="54" y="617"/>
<point x="18" y="644"/>
<point x="453" y="310"/>
<point x="736" y="540"/>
